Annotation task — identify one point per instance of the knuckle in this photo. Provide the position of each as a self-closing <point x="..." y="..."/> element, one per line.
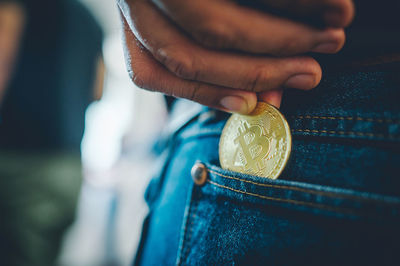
<point x="192" y="94"/>
<point x="139" y="78"/>
<point x="183" y="68"/>
<point x="178" y="62"/>
<point x="288" y="46"/>
<point x="215" y="35"/>
<point x="259" y="79"/>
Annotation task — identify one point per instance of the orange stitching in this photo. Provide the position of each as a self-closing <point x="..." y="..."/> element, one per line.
<point x="361" y="134"/>
<point x="379" y="120"/>
<point x="310" y="191"/>
<point x="296" y="202"/>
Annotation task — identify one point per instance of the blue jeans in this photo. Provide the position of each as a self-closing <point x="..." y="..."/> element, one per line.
<point x="336" y="203"/>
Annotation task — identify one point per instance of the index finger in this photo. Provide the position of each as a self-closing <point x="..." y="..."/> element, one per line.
<point x="227" y="25"/>
<point x="333" y="13"/>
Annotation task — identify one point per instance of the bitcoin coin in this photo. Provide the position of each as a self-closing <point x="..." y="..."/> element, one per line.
<point x="256" y="144"/>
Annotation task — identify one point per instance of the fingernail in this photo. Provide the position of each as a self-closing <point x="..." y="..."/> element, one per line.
<point x="301" y="81"/>
<point x="329" y="47"/>
<point x="235" y="104"/>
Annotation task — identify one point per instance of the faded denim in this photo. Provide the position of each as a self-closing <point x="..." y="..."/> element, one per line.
<point x="336" y="203"/>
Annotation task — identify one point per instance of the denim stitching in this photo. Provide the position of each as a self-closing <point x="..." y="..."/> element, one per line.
<point x="361" y="134"/>
<point x="322" y="193"/>
<point x="183" y="251"/>
<point x="379" y="120"/>
<point x="296" y="202"/>
<point x="188" y="234"/>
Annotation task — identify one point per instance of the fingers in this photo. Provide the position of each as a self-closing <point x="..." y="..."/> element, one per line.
<point x="147" y="73"/>
<point x="334" y="13"/>
<point x="342" y="13"/>
<point x="224" y="24"/>
<point x="187" y="60"/>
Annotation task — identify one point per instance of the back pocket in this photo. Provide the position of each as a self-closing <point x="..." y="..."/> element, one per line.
<point x="234" y="218"/>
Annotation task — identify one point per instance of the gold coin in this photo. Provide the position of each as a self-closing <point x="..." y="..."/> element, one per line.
<point x="256" y="144"/>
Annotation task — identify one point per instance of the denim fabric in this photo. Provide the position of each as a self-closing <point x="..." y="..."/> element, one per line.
<point x="336" y="203"/>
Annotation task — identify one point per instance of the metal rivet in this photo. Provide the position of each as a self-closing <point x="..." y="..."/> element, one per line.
<point x="199" y="174"/>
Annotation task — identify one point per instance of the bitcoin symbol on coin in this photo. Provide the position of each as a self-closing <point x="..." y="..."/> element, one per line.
<point x="254" y="145"/>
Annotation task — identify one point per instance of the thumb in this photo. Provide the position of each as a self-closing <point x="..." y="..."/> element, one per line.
<point x="272" y="97"/>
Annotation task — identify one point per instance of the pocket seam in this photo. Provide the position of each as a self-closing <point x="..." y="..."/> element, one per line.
<point x="350" y="118"/>
<point x="188" y="229"/>
<point x="310" y="191"/>
<point x="350" y="133"/>
<point x="296" y="202"/>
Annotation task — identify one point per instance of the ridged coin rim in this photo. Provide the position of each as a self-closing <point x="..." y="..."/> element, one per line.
<point x="287" y="129"/>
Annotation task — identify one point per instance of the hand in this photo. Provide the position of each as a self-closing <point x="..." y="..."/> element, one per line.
<point x="333" y="13"/>
<point x="215" y="62"/>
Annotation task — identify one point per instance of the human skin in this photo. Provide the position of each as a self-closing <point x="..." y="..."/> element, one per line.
<point x="228" y="56"/>
<point x="12" y="19"/>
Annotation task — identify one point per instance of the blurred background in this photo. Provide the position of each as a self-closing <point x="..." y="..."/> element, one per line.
<point x="76" y="137"/>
